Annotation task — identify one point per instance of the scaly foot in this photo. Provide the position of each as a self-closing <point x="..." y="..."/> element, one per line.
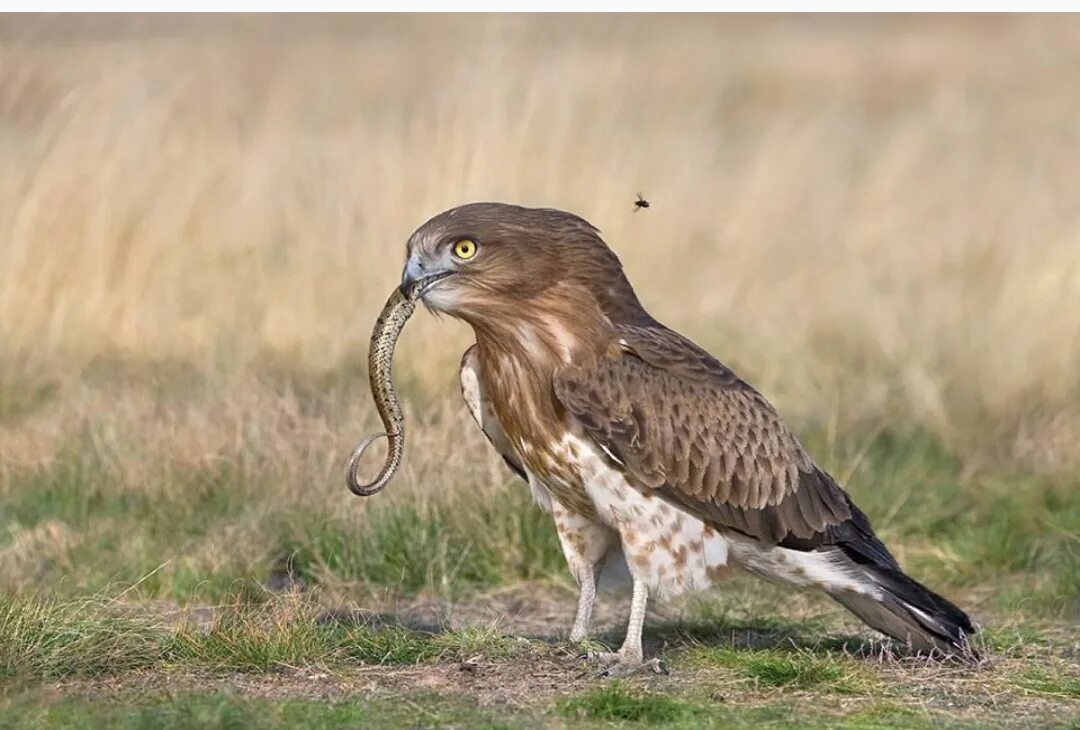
<point x="624" y="665"/>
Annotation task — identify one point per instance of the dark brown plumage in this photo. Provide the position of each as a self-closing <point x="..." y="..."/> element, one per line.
<point x="683" y="424"/>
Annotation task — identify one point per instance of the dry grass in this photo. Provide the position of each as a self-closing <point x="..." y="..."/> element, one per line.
<point x="875" y="220"/>
<point x="871" y="217"/>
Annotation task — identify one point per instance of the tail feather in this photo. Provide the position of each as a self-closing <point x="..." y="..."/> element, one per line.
<point x="884" y="596"/>
<point x="910" y="612"/>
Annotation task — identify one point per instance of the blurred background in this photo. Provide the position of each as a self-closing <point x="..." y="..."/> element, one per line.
<point x="875" y="220"/>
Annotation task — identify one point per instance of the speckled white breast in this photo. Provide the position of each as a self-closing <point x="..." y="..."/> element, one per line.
<point x="670" y="550"/>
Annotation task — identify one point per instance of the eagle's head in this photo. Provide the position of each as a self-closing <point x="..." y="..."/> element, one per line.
<point x="494" y="265"/>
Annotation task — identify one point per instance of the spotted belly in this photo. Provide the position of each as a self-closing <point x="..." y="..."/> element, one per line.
<point x="671" y="551"/>
<point x="555" y="470"/>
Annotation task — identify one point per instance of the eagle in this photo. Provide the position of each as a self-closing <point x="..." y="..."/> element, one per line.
<point x="638" y="442"/>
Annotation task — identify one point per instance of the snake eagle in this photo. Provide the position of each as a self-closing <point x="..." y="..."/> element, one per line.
<point x="638" y="441"/>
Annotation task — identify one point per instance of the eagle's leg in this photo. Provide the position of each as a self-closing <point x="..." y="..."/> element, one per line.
<point x="584" y="544"/>
<point x="629" y="659"/>
<point x="586" y="597"/>
<point x="631" y="650"/>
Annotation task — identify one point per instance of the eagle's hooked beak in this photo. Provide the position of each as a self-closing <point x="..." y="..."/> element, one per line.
<point x="418" y="277"/>
<point x="414" y="272"/>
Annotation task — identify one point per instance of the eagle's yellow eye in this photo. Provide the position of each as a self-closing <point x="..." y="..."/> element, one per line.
<point x="465" y="249"/>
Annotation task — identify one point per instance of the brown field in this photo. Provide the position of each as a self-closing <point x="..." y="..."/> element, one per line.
<point x="875" y="220"/>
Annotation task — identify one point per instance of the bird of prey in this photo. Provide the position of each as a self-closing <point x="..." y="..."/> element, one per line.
<point x="638" y="441"/>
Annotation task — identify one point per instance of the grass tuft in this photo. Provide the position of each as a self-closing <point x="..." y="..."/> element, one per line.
<point x="780" y="671"/>
<point x="1058" y="683"/>
<point x="801" y="669"/>
<point x="1005" y="638"/>
<point x="289" y="633"/>
<point x="49" y="639"/>
<point x="618" y="702"/>
<point x="438" y="543"/>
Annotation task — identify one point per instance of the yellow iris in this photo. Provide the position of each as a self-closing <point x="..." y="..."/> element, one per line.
<point x="465" y="249"/>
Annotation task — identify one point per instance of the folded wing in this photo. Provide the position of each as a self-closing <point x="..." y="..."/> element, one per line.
<point x="684" y="425"/>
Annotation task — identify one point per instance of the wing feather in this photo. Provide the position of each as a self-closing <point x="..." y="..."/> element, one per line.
<point x="683" y="424"/>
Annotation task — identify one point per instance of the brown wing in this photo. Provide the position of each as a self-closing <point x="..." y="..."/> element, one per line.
<point x="472" y="390"/>
<point x="683" y="424"/>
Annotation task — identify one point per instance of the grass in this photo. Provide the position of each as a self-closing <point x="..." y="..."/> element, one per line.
<point x="86" y="520"/>
<point x="51" y="639"/>
<point x="254" y="641"/>
<point x="873" y="220"/>
<point x="59" y="655"/>
<point x="416" y="546"/>
<point x="609" y="707"/>
<point x="885" y="182"/>
<point x="601" y="708"/>
<point x="1011" y="638"/>
<point x="120" y="510"/>
<point x="773" y="668"/>
<point x="224" y="711"/>
<point x="618" y="705"/>
<point x="1057" y="683"/>
<point x="617" y="702"/>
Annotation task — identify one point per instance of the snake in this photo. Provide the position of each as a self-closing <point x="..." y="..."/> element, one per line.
<point x="395" y="313"/>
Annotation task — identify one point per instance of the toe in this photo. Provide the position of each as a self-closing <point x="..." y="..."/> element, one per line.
<point x="601" y="657"/>
<point x="620" y="669"/>
<point x="656" y="666"/>
<point x="626" y="667"/>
